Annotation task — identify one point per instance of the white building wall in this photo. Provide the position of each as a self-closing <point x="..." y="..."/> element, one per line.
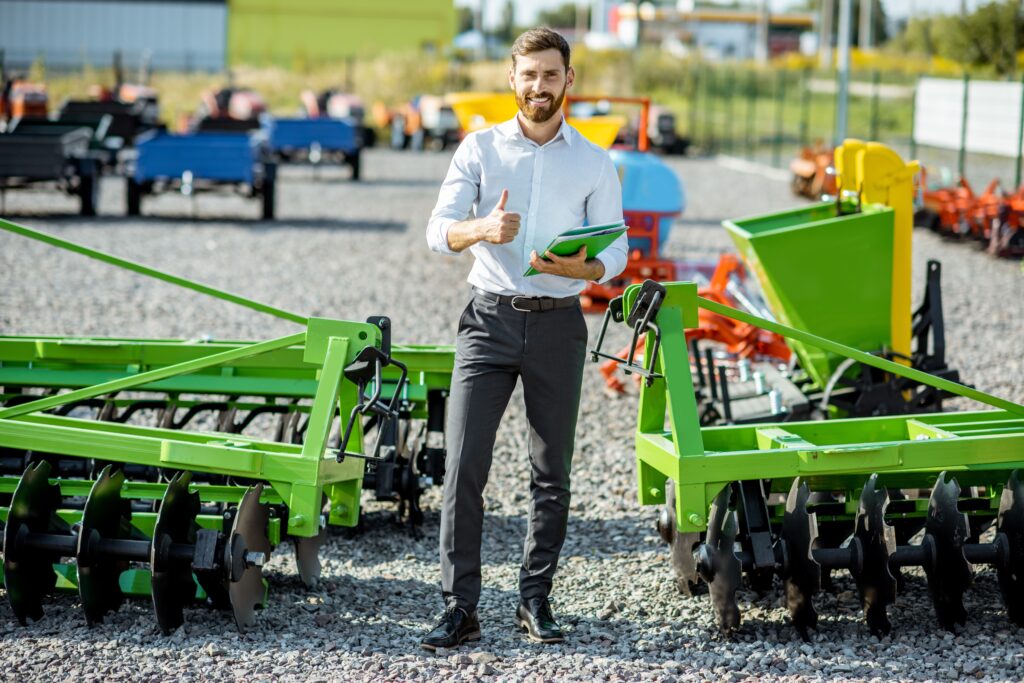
<point x="71" y="33"/>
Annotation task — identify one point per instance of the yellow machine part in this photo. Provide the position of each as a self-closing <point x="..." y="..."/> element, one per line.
<point x="477" y="111"/>
<point x="880" y="176"/>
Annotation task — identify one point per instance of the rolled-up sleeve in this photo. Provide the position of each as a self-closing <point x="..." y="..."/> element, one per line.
<point x="604" y="205"/>
<point x="460" y="190"/>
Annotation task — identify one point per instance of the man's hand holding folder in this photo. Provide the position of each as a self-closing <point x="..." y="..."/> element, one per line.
<point x="571" y="254"/>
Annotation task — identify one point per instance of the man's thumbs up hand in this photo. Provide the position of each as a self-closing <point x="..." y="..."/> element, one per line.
<point x="500" y="226"/>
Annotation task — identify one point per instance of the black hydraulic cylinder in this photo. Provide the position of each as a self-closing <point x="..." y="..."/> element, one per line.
<point x="723" y="383"/>
<point x="712" y="380"/>
<point x="697" y="362"/>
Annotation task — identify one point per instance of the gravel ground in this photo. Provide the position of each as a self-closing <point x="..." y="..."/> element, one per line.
<point x="352" y="250"/>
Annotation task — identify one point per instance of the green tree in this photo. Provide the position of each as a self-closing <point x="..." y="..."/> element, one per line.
<point x="506" y="30"/>
<point x="463" y="19"/>
<point x="563" y="16"/>
<point x="988" y="38"/>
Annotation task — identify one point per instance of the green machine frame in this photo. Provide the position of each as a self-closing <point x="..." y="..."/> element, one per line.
<point x="332" y="368"/>
<point x="748" y="486"/>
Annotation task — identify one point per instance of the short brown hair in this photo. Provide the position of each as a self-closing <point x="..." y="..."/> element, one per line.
<point x="539" y="39"/>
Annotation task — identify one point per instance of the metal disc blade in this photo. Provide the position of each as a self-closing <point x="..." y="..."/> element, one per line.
<point x="307" y="557"/>
<point x="249" y="535"/>
<point x="681" y="545"/>
<point x="876" y="542"/>
<point x="803" y="580"/>
<point x="106" y="516"/>
<point x="171" y="580"/>
<point x="949" y="575"/>
<point x="723" y="528"/>
<point x="1010" y="526"/>
<point x="28" y="574"/>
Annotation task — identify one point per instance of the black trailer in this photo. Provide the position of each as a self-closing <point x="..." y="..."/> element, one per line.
<point x="33" y="154"/>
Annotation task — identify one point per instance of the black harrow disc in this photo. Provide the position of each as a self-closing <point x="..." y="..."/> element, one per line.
<point x="949" y="573"/>
<point x="307" y="557"/>
<point x="1010" y="524"/>
<point x="684" y="567"/>
<point x="803" y="579"/>
<point x="172" y="586"/>
<point x="718" y="555"/>
<point x="874" y="542"/>
<point x="247" y="549"/>
<point x="28" y="574"/>
<point x="106" y="516"/>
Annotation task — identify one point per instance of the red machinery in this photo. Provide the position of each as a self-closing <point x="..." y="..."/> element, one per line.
<point x="813" y="172"/>
<point x="994" y="217"/>
<point x="652" y="197"/>
<point x="741" y="341"/>
<point x="20" y="99"/>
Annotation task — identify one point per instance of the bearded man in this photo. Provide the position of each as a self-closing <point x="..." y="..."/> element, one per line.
<point x="526" y="180"/>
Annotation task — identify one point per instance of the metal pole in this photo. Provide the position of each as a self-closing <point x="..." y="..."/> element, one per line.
<point x="694" y="102"/>
<point x="1020" y="137"/>
<point x="876" y="78"/>
<point x="761" y="41"/>
<point x="709" y="109"/>
<point x="913" y="120"/>
<point x="805" y="109"/>
<point x="843" y="89"/>
<point x="751" y="110"/>
<point x="962" y="159"/>
<point x="825" y="35"/>
<point x="780" y="94"/>
<point x="867" y="8"/>
<point x="730" y="91"/>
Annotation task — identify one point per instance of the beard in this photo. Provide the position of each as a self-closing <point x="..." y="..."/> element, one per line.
<point x="541" y="113"/>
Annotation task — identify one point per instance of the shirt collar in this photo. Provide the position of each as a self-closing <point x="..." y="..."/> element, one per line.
<point x="513" y="131"/>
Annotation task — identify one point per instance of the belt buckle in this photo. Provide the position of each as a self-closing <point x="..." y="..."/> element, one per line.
<point x="515" y="307"/>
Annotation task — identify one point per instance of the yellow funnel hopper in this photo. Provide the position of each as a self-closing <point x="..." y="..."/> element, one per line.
<point x="477" y="111"/>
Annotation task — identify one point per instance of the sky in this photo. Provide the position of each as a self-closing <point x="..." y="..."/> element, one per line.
<point x="526" y="10"/>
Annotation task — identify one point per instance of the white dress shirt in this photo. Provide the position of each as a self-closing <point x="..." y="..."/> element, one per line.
<point x="565" y="183"/>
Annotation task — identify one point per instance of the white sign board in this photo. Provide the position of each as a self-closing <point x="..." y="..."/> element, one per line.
<point x="993" y="115"/>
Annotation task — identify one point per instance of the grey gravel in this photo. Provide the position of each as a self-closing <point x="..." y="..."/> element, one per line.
<point x="353" y="250"/>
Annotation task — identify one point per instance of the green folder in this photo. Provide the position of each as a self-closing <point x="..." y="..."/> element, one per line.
<point x="595" y="237"/>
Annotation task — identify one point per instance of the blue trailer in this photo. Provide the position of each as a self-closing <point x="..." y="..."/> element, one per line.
<point x="316" y="140"/>
<point x="197" y="162"/>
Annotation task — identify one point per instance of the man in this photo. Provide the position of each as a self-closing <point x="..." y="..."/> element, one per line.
<point x="527" y="180"/>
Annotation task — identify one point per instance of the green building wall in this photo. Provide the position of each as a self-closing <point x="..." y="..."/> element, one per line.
<point x="285" y="32"/>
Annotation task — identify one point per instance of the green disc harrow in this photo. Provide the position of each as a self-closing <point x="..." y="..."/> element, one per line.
<point x="795" y="500"/>
<point x="170" y="468"/>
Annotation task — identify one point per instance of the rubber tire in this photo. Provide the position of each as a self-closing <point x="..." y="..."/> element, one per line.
<point x="88" y="190"/>
<point x="356" y="163"/>
<point x="133" y="193"/>
<point x="267" y="195"/>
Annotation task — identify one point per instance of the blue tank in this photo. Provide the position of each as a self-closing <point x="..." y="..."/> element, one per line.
<point x="649" y="185"/>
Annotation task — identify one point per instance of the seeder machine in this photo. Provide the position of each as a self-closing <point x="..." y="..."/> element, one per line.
<point x="170" y="468"/>
<point x="799" y="499"/>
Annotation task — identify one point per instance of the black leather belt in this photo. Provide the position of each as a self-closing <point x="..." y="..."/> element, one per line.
<point x="528" y="303"/>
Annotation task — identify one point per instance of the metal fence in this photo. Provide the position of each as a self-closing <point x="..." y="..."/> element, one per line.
<point x="768" y="115"/>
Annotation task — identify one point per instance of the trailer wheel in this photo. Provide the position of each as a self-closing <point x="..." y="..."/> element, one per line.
<point x="89" y="189"/>
<point x="268" y="199"/>
<point x="133" y="192"/>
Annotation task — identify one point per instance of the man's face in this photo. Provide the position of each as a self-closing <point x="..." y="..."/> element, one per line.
<point x="540" y="80"/>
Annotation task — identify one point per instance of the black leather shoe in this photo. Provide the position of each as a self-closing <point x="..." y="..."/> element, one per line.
<point x="535" y="616"/>
<point x="455" y="627"/>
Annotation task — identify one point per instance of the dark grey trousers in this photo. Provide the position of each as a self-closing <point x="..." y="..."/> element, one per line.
<point x="496" y="345"/>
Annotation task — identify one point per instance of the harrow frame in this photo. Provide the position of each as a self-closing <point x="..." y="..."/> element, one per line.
<point x="719" y="481"/>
